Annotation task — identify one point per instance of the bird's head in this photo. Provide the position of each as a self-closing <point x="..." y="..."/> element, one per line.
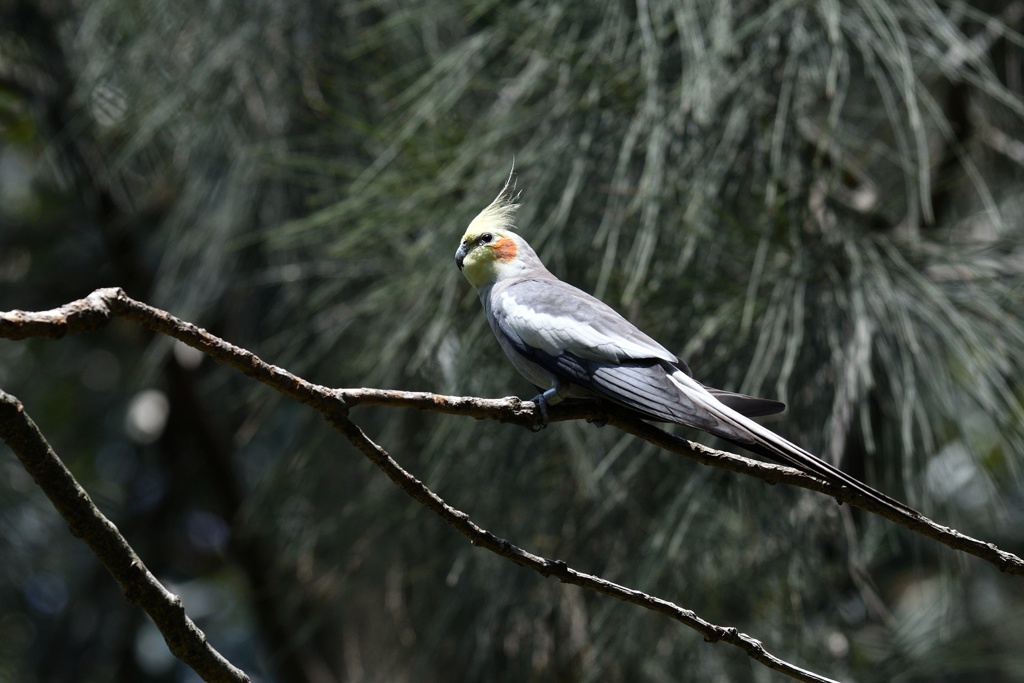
<point x="487" y="255"/>
<point x="490" y="251"/>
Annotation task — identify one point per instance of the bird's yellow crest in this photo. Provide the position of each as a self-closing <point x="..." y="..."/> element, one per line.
<point x="499" y="213"/>
<point x="489" y="245"/>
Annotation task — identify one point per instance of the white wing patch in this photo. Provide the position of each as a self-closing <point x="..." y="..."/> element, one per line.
<point x="555" y="334"/>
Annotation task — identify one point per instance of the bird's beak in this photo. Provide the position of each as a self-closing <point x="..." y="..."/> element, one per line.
<point x="460" y="255"/>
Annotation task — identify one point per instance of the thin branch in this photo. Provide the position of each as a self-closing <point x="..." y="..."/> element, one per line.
<point x="546" y="567"/>
<point x="334" y="404"/>
<point x="86" y="521"/>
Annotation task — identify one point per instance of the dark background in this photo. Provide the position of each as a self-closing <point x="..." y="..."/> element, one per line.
<point x="816" y="201"/>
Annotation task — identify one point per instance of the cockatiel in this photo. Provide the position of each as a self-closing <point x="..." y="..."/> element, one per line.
<point x="569" y="344"/>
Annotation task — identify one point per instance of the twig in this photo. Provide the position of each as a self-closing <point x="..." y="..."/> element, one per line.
<point x="86" y="521"/>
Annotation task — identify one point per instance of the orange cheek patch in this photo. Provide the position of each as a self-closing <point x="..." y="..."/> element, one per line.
<point x="505" y="249"/>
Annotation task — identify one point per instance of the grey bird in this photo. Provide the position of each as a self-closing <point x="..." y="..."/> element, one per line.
<point x="570" y="344"/>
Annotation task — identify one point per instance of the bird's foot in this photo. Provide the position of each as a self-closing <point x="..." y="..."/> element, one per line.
<point x="541" y="400"/>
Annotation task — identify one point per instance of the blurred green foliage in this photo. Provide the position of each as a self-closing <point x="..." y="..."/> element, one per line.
<point x="820" y="201"/>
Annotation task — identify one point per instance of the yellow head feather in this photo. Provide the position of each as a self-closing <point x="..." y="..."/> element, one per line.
<point x="499" y="214"/>
<point x="490" y="250"/>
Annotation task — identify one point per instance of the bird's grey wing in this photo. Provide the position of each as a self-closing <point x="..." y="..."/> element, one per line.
<point x="555" y="317"/>
<point x="642" y="385"/>
<point x="582" y="341"/>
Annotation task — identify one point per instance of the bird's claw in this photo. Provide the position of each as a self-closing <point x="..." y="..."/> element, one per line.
<point x="541" y="401"/>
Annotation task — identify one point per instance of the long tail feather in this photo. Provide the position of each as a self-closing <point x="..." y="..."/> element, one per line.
<point x="758" y="439"/>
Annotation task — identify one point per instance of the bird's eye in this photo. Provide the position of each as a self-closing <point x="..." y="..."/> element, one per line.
<point x="486" y="238"/>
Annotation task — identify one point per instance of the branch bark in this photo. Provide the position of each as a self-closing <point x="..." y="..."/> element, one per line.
<point x="334" y="404"/>
<point x="85" y="520"/>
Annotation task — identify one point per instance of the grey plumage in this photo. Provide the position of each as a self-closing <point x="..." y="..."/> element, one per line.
<point x="570" y="344"/>
<point x="554" y="332"/>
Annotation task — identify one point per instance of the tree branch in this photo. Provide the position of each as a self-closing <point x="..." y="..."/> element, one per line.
<point x="546" y="567"/>
<point x="334" y="404"/>
<point x="86" y="521"/>
<point x="99" y="307"/>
